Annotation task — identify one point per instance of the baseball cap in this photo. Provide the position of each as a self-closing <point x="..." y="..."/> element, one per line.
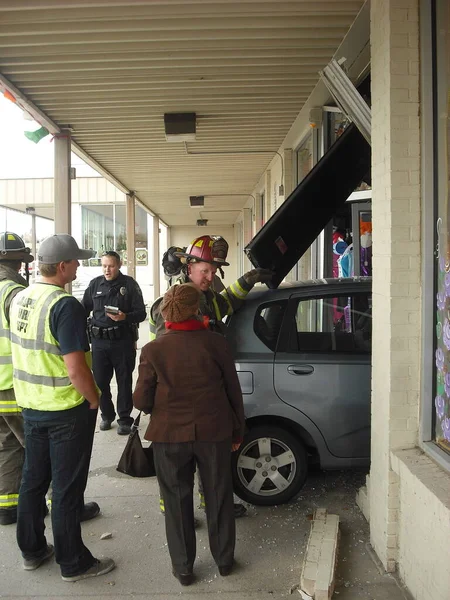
<point x="61" y="247"/>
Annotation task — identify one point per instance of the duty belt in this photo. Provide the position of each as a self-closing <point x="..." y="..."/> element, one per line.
<point x="105" y="333"/>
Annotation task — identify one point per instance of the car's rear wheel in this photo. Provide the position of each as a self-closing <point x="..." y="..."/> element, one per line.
<point x="270" y="466"/>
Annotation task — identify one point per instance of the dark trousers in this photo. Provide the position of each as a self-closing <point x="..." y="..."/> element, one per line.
<point x="11" y="459"/>
<point x="58" y="448"/>
<point x="117" y="356"/>
<point x="175" y="466"/>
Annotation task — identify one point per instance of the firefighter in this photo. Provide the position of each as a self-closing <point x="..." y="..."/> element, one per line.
<point x="12" y="254"/>
<point x="202" y="259"/>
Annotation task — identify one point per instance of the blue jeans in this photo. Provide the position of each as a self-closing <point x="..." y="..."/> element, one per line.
<point x="58" y="448"/>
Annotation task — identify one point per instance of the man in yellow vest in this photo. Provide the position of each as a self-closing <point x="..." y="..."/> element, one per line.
<point x="55" y="388"/>
<point x="12" y="254"/>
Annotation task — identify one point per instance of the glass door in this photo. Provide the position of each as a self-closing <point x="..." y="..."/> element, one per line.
<point x="362" y="238"/>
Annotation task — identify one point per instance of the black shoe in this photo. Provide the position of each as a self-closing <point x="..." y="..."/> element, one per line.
<point x="239" y="511"/>
<point x="124" y="430"/>
<point x="8" y="516"/>
<point x="226" y="569"/>
<point x="105" y="425"/>
<point x="184" y="578"/>
<point x="90" y="511"/>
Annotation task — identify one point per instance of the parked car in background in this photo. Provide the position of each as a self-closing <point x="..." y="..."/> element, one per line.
<point x="303" y="357"/>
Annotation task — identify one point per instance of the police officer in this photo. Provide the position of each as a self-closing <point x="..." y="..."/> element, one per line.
<point x="12" y="254"/>
<point x="202" y="259"/>
<point x="117" y="307"/>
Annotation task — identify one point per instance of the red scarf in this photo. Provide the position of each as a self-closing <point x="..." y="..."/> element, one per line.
<point x="189" y="325"/>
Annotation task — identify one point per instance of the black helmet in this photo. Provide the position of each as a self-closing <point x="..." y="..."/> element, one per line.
<point x="12" y="247"/>
<point x="172" y="264"/>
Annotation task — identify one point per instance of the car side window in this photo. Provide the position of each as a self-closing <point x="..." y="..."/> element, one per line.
<point x="267" y="323"/>
<point x="334" y="324"/>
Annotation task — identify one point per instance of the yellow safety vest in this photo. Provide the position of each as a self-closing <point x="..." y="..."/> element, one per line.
<point x="6" y="369"/>
<point x="41" y="380"/>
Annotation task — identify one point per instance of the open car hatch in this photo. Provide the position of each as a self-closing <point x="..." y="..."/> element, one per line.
<point x="295" y="225"/>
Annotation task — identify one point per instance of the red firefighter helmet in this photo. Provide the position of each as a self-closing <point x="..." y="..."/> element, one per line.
<point x="207" y="248"/>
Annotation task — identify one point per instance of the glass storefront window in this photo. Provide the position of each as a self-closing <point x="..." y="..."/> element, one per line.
<point x="337" y="122"/>
<point x="305" y="158"/>
<point x="441" y="421"/>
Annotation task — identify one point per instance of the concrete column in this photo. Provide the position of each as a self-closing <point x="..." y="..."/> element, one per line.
<point x="155" y="255"/>
<point x="33" y="245"/>
<point x="62" y="183"/>
<point x="131" y="235"/>
<point x="258" y="222"/>
<point x="247" y="225"/>
<point x="288" y="174"/>
<point x="396" y="338"/>
<point x="268" y="194"/>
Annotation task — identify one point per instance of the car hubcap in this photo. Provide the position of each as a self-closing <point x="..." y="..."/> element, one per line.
<point x="266" y="466"/>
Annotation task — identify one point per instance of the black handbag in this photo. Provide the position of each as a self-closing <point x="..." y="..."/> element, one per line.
<point x="136" y="461"/>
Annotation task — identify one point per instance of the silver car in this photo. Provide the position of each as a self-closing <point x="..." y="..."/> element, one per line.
<point x="303" y="356"/>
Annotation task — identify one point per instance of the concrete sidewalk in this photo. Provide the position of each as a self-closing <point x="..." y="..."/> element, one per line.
<point x="270" y="544"/>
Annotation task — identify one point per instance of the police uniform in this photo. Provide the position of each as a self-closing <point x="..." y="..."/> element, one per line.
<point x="114" y="342"/>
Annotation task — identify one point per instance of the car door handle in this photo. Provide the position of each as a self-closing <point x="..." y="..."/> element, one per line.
<point x="300" y="369"/>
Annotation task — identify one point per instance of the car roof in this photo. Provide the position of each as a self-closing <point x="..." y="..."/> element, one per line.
<point x="288" y="288"/>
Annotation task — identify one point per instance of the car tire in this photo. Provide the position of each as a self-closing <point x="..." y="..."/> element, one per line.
<point x="270" y="466"/>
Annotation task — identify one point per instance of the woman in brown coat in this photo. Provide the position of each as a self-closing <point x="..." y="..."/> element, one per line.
<point x="188" y="382"/>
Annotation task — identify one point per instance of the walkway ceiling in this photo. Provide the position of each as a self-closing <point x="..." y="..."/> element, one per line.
<point x="110" y="69"/>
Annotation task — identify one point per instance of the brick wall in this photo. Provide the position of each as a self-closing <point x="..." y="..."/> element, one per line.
<point x="396" y="258"/>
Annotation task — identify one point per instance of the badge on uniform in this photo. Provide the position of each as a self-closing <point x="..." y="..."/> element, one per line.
<point x="123" y="291"/>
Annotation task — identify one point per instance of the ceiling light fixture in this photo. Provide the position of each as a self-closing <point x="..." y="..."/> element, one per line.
<point x="180" y="127"/>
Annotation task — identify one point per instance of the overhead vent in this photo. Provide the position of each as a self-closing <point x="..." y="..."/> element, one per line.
<point x="180" y="127"/>
<point x="195" y="201"/>
<point x="202" y="222"/>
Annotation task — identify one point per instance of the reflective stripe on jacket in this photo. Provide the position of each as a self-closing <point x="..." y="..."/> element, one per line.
<point x="41" y="380"/>
<point x="9" y="500"/>
<point x="6" y="369"/>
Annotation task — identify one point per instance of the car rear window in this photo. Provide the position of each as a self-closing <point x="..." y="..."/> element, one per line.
<point x="267" y="323"/>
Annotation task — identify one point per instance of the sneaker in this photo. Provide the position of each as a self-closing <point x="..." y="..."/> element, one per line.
<point x="90" y="511"/>
<point x="105" y="425"/>
<point x="100" y="567"/>
<point x="8" y="516"/>
<point x="124" y="430"/>
<point x="31" y="564"/>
